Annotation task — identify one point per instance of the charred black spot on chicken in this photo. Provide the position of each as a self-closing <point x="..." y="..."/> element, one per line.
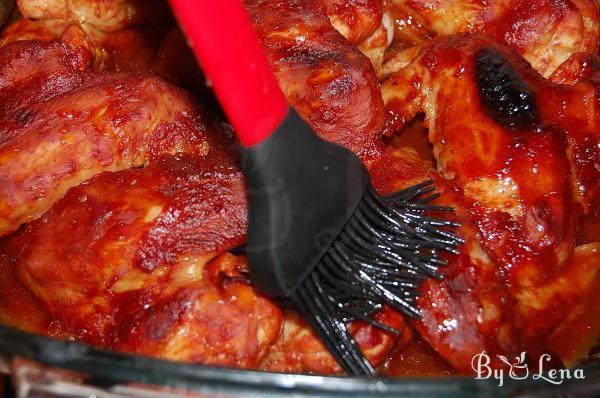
<point x="506" y="98"/>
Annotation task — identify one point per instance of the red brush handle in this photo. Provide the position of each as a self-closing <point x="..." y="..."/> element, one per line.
<point x="222" y="36"/>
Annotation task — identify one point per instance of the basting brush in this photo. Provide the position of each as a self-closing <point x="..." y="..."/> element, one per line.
<point x="319" y="236"/>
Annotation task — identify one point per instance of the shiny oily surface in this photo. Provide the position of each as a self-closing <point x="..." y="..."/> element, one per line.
<point x="328" y="94"/>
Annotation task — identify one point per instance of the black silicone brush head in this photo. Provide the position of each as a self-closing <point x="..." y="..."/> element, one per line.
<point x="322" y="239"/>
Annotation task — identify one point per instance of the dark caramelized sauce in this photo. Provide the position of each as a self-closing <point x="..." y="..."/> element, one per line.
<point x="590" y="231"/>
<point x="417" y="359"/>
<point x="506" y="98"/>
<point x="17" y="306"/>
<point x="414" y="135"/>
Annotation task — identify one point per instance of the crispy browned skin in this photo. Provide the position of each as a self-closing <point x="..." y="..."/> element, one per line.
<point x="133" y="261"/>
<point x="545" y="32"/>
<point x="34" y="71"/>
<point x="513" y="167"/>
<point x="330" y="83"/>
<point x="63" y="125"/>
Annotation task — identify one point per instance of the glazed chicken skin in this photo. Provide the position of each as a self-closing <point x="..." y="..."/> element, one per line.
<point x="135" y="261"/>
<point x="130" y="48"/>
<point x="513" y="144"/>
<point x="150" y="243"/>
<point x="509" y="149"/>
<point x="367" y="24"/>
<point x="578" y="68"/>
<point x="52" y="139"/>
<point x="545" y="32"/>
<point x="151" y="246"/>
<point x="324" y="76"/>
<point x="355" y="20"/>
<point x="472" y="309"/>
<point x="327" y="80"/>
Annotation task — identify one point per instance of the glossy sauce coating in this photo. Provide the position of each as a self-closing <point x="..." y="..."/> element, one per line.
<point x="328" y="81"/>
<point x="72" y="126"/>
<point x="515" y="181"/>
<point x="545" y="32"/>
<point x="201" y="298"/>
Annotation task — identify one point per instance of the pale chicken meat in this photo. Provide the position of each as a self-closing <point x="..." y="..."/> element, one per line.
<point x="104" y="15"/>
<point x="545" y="32"/>
<point x="364" y="23"/>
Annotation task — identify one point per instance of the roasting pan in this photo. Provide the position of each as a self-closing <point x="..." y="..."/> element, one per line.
<point x="44" y="367"/>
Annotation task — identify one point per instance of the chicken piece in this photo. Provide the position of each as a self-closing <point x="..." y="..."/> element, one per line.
<point x="149" y="243"/>
<point x="356" y="20"/>
<point x="33" y="72"/>
<point x="133" y="261"/>
<point x="473" y="310"/>
<point x="545" y="32"/>
<point x="331" y="84"/>
<point x="364" y="23"/>
<point x="73" y="124"/>
<point x="470" y="310"/>
<point x="104" y="15"/>
<point x="508" y="150"/>
<point x="43" y="31"/>
<point x="131" y="50"/>
<point x="508" y="154"/>
<point x="298" y="349"/>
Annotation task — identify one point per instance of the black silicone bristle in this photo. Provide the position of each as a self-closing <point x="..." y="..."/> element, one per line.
<point x="320" y="237"/>
<point x="380" y="257"/>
